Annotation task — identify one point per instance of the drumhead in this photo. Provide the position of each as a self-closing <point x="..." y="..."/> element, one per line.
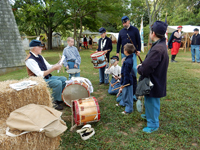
<point x="73" y="71"/>
<point x="73" y="92"/>
<point x="97" y="54"/>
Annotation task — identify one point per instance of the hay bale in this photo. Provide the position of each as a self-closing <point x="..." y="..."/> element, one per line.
<point x="11" y="99"/>
<point x="29" y="141"/>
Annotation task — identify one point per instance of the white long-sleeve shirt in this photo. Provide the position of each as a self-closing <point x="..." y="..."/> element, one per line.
<point x="34" y="67"/>
<point x="116" y="70"/>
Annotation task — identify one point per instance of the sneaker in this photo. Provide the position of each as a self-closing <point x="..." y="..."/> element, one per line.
<point x="149" y="130"/>
<point x="57" y="106"/>
<point x="117" y="105"/>
<point x="124" y="113"/>
<point x="143" y="116"/>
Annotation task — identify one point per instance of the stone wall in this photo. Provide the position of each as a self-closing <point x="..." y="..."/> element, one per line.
<point x="12" y="53"/>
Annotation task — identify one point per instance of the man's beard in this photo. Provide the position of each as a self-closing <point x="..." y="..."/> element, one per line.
<point x="126" y="26"/>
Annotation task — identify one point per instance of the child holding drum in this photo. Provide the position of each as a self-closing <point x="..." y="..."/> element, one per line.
<point x="72" y="57"/>
<point x="115" y="70"/>
<point x="127" y="75"/>
<point x="105" y="44"/>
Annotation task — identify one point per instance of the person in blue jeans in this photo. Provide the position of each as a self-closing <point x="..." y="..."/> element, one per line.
<point x="126" y="98"/>
<point x="105" y="44"/>
<point x="37" y="65"/>
<point x="72" y="57"/>
<point x="195" y="45"/>
<point x="155" y="67"/>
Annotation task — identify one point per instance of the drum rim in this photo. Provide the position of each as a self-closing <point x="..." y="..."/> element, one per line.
<point x="74" y="69"/>
<point x="97" y="55"/>
<point x="71" y="84"/>
<point x="76" y="112"/>
<point x="100" y="67"/>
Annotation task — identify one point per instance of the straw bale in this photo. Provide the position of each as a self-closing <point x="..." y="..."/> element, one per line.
<point x="29" y="141"/>
<point x="11" y="99"/>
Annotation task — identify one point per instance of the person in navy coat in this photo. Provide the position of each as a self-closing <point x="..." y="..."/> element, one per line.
<point x="155" y="66"/>
<point x="105" y="44"/>
<point x="123" y="39"/>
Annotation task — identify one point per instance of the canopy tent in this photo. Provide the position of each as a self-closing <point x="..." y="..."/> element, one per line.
<point x="186" y="28"/>
<point x="188" y="31"/>
<point x="113" y="36"/>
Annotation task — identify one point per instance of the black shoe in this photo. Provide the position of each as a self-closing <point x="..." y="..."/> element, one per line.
<point x="59" y="102"/>
<point x="106" y="83"/>
<point x="57" y="106"/>
<point x="173" y="61"/>
<point x="100" y="83"/>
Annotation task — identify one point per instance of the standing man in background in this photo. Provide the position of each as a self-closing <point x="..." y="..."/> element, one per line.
<point x="175" y="43"/>
<point x="105" y="44"/>
<point x="123" y="39"/>
<point x="85" y="42"/>
<point x="195" y="45"/>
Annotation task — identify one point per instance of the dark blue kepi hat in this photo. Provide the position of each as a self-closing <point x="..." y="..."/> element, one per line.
<point x="125" y="19"/>
<point x="34" y="43"/>
<point x="196" y="29"/>
<point x="102" y="30"/>
<point x="159" y="27"/>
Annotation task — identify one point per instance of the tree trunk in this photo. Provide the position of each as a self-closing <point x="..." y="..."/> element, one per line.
<point x="79" y="34"/>
<point x="49" y="38"/>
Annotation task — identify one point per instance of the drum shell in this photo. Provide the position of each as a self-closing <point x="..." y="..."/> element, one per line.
<point x="86" y="110"/>
<point x="98" y="56"/>
<point x="83" y="87"/>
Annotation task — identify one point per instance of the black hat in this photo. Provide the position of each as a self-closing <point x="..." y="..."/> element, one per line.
<point x="125" y="19"/>
<point x="115" y="57"/>
<point x="159" y="27"/>
<point x="196" y="29"/>
<point x="34" y="43"/>
<point x="102" y="30"/>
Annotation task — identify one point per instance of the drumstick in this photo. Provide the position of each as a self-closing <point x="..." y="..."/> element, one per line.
<point x="122" y="86"/>
<point x="60" y="59"/>
<point x="111" y="84"/>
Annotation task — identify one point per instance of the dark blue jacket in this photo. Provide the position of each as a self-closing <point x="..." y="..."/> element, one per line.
<point x="172" y="37"/>
<point x="123" y="38"/>
<point x="195" y="39"/>
<point x="155" y="66"/>
<point x="127" y="71"/>
<point x="107" y="46"/>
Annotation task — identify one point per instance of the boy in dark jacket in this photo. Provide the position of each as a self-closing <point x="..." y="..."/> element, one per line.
<point x="127" y="80"/>
<point x="155" y="66"/>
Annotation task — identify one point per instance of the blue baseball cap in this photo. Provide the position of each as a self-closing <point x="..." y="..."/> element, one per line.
<point x="102" y="30"/>
<point x="125" y="19"/>
<point x="35" y="43"/>
<point x="159" y="27"/>
<point x="196" y="29"/>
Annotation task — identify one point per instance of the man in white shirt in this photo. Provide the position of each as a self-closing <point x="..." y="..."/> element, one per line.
<point x="38" y="66"/>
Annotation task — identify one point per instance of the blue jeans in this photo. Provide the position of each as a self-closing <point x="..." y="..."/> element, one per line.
<point x="103" y="78"/>
<point x="195" y="50"/>
<point x="57" y="83"/>
<point x="126" y="99"/>
<point x="71" y="66"/>
<point x="152" y="111"/>
<point x="134" y="62"/>
<point x="117" y="85"/>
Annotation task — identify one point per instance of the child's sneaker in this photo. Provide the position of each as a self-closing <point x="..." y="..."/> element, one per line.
<point x="149" y="130"/>
<point x="143" y="116"/>
<point x="124" y="113"/>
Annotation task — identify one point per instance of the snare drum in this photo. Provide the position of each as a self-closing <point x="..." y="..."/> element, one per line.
<point x="86" y="110"/>
<point x="75" y="90"/>
<point x="73" y="71"/>
<point x="98" y="59"/>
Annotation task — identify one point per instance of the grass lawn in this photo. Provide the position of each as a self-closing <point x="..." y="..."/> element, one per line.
<point x="179" y="117"/>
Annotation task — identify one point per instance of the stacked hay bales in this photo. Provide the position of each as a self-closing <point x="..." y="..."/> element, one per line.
<point x="10" y="100"/>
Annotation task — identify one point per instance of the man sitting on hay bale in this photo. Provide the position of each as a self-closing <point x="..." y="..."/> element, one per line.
<point x="37" y="66"/>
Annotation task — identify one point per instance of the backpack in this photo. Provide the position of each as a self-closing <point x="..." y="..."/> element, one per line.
<point x="35" y="117"/>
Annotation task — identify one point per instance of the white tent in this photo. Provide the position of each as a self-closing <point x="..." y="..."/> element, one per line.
<point x="186" y="28"/>
<point x="87" y="32"/>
